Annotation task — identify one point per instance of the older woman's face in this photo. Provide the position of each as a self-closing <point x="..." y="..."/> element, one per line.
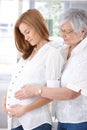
<point x="69" y="35"/>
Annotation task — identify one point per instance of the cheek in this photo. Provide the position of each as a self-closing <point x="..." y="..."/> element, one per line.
<point x="73" y="38"/>
<point x="76" y="39"/>
<point x="37" y="37"/>
<point x="70" y="40"/>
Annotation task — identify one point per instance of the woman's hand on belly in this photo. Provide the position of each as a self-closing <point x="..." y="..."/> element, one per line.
<point x="17" y="110"/>
<point x="4" y="105"/>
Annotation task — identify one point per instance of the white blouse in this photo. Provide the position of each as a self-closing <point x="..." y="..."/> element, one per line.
<point x="43" y="69"/>
<point x="75" y="77"/>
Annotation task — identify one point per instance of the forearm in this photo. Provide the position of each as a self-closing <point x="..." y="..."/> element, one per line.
<point x="55" y="93"/>
<point x="37" y="104"/>
<point x="59" y="93"/>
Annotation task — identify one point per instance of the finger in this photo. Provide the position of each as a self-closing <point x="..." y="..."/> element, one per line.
<point x="12" y="106"/>
<point x="20" y="97"/>
<point x="9" y="114"/>
<point x="23" y="87"/>
<point x="19" y="94"/>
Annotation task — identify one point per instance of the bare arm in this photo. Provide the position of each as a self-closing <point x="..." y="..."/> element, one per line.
<point x="19" y="110"/>
<point x="38" y="103"/>
<point x="52" y="93"/>
<point x="59" y="93"/>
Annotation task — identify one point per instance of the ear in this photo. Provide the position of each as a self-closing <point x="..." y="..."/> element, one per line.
<point x="83" y="32"/>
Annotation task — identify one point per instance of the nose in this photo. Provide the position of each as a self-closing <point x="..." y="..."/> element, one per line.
<point x="63" y="35"/>
<point x="26" y="37"/>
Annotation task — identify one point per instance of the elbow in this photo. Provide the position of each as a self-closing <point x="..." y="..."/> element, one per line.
<point x="70" y="94"/>
<point x="73" y="95"/>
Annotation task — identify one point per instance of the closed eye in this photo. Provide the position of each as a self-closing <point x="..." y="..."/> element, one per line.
<point x="27" y="32"/>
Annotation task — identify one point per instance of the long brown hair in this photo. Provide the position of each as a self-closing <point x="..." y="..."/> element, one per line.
<point x="34" y="18"/>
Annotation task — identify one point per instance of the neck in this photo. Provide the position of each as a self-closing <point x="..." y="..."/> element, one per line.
<point x="39" y="45"/>
<point x="69" y="51"/>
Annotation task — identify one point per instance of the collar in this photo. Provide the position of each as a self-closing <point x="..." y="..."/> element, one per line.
<point x="80" y="47"/>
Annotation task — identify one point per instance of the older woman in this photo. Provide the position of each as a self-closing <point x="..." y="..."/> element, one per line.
<point x="72" y="96"/>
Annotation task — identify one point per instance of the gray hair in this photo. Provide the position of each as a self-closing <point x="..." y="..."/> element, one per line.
<point x="77" y="17"/>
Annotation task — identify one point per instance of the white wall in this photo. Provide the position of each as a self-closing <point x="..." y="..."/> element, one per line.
<point x="75" y="3"/>
<point x="80" y="4"/>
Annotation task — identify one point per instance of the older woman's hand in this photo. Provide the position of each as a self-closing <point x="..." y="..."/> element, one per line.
<point x="27" y="91"/>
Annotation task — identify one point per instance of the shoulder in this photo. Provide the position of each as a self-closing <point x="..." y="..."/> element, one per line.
<point x="54" y="46"/>
<point x="58" y="49"/>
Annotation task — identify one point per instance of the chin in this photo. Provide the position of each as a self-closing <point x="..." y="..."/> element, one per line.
<point x="33" y="44"/>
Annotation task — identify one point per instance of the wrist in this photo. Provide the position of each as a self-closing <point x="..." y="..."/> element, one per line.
<point x="39" y="92"/>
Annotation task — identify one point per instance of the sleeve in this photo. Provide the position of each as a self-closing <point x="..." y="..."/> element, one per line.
<point x="78" y="77"/>
<point x="54" y="66"/>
